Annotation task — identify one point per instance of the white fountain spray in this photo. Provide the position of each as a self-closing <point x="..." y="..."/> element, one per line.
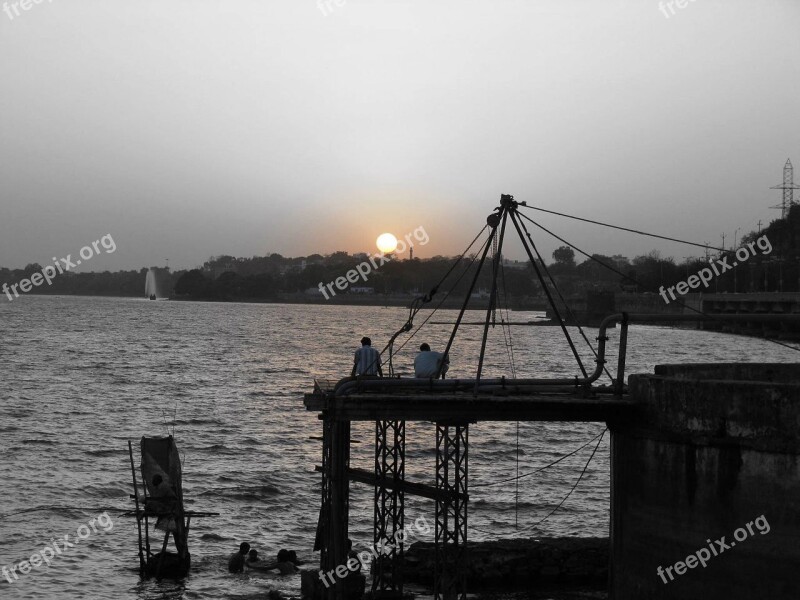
<point x="150" y="285"/>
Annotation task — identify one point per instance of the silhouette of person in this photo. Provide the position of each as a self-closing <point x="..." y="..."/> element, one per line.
<point x="367" y="360"/>
<point x="237" y="559"/>
<point x="427" y="363"/>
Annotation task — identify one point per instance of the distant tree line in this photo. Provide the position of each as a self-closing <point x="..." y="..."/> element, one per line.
<point x="272" y="277"/>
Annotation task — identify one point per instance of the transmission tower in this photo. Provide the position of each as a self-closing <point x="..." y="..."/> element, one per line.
<point x="788" y="188"/>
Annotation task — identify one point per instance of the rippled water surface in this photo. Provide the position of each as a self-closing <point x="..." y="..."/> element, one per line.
<point x="82" y="376"/>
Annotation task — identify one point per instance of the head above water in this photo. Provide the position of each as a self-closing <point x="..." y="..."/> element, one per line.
<point x="424" y="348"/>
<point x="244" y="548"/>
<point x="283" y="555"/>
<point x="253" y="554"/>
<point x="365" y="341"/>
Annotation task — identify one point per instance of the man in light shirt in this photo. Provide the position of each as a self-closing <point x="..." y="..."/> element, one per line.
<point x="367" y="360"/>
<point x="427" y="362"/>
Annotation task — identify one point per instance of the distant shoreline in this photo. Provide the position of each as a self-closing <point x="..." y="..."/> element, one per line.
<point x="343" y="300"/>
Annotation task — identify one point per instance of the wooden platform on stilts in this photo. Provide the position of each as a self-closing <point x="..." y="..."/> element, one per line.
<point x="159" y="509"/>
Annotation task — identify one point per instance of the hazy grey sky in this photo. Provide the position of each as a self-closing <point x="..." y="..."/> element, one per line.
<point x="192" y="128"/>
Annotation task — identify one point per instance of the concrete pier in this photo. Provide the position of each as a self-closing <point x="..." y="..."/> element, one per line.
<point x="751" y="304"/>
<point x="452" y="404"/>
<point x="712" y="451"/>
<point x="705" y="475"/>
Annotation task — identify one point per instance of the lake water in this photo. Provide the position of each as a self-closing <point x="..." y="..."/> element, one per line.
<point x="82" y="376"/>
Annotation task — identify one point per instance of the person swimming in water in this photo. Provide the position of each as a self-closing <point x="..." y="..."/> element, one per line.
<point x="237" y="560"/>
<point x="256" y="564"/>
<point x="284" y="564"/>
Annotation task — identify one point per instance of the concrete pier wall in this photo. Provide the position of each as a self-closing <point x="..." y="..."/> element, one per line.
<point x="713" y="451"/>
<point x="752" y="304"/>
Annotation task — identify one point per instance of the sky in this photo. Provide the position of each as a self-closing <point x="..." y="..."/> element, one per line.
<point x="191" y="128"/>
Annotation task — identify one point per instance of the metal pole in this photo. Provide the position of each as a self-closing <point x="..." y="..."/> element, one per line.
<point x="547" y="293"/>
<point x="623" y="347"/>
<point x="493" y="220"/>
<point x="493" y="295"/>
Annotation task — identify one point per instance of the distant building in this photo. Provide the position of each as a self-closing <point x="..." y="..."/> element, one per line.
<point x="515" y="264"/>
<point x="360" y="289"/>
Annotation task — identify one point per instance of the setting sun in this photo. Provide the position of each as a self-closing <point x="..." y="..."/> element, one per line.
<point x="386" y="243"/>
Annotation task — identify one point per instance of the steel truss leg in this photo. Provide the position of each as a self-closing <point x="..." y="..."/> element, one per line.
<point x="390" y="453"/>
<point x="323" y="533"/>
<point x="335" y="511"/>
<point x="451" y="511"/>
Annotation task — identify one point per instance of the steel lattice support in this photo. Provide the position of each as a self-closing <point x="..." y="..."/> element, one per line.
<point x="323" y="534"/>
<point x="451" y="511"/>
<point x="334" y="515"/>
<point x="390" y="453"/>
<point x="788" y="187"/>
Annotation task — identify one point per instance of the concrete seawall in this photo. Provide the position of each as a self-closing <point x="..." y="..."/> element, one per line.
<point x="712" y="449"/>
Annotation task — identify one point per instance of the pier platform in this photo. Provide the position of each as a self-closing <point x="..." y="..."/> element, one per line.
<point x="450" y="406"/>
<point x="686" y="420"/>
<point x="508" y="404"/>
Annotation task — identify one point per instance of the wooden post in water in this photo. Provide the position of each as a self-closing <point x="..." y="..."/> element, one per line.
<point x="138" y="516"/>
